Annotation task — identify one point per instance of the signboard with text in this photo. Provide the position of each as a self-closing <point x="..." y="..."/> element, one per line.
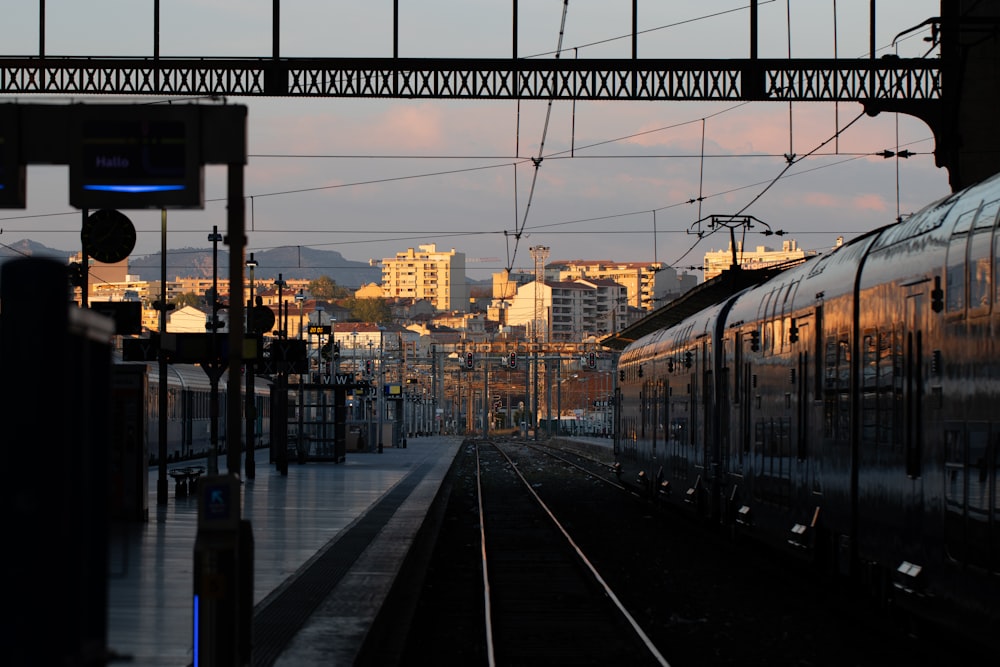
<point x="136" y="156"/>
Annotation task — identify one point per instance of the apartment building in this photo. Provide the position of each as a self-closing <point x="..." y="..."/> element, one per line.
<point x="649" y="285"/>
<point x="427" y="273"/>
<point x="569" y="310"/>
<point x="717" y="261"/>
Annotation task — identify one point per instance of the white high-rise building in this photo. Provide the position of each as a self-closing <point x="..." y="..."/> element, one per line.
<point x="437" y="276"/>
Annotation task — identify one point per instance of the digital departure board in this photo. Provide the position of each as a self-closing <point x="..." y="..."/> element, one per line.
<point x="136" y="156"/>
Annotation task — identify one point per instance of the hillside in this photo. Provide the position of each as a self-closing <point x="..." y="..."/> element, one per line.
<point x="290" y="262"/>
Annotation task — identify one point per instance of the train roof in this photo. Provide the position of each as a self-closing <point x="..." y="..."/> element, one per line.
<point x="694" y="300"/>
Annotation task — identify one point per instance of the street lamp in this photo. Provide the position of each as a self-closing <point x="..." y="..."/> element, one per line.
<point x="354" y="351"/>
<point x="379" y="399"/>
<point x="333" y="346"/>
<point x="300" y="297"/>
<point x="282" y="324"/>
<point x="251" y="411"/>
<point x="371" y="404"/>
<point x="215" y="368"/>
<point x="319" y="344"/>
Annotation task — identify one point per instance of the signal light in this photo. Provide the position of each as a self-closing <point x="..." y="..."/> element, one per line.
<point x="755" y="340"/>
<point x="513" y="360"/>
<point x="469" y="362"/>
<point x="368" y="366"/>
<point x="592" y="360"/>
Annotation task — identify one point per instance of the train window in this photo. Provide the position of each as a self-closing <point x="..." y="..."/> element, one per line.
<point x="738" y="365"/>
<point x="836" y="395"/>
<point x="955" y="277"/>
<point x="830" y="363"/>
<point x="978" y="477"/>
<point x="818" y="353"/>
<point x="869" y="368"/>
<point x="987" y="215"/>
<point x="996" y="268"/>
<point x="843" y="363"/>
<point x="869" y="379"/>
<point x="980" y="278"/>
<point x="993" y="471"/>
<point x="888" y="400"/>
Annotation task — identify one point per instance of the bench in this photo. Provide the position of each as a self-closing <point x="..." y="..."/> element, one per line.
<point x="185" y="479"/>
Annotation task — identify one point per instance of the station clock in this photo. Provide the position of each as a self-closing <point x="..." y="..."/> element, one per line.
<point x="108" y="236"/>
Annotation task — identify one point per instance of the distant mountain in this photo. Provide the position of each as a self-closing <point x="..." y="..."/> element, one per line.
<point x="31" y="249"/>
<point x="290" y="262"/>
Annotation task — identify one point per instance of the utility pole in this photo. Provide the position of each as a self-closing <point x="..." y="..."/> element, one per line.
<point x="214" y="369"/>
<point x="251" y="407"/>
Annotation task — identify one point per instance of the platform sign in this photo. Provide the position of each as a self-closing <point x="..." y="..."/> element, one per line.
<point x="219" y="503"/>
<point x="12" y="172"/>
<point x="136" y="156"/>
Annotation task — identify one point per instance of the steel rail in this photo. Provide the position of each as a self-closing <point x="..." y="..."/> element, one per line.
<point x="490" y="652"/>
<point x="549" y="450"/>
<point x="643" y="637"/>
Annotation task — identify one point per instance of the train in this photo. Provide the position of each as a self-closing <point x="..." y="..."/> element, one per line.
<point x="842" y="409"/>
<point x="189" y="392"/>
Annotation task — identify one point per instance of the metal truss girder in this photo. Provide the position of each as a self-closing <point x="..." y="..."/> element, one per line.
<point x="723" y="80"/>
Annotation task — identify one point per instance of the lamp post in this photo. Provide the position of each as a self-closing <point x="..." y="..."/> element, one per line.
<point x="300" y="297"/>
<point x="379" y="399"/>
<point x="282" y="324"/>
<point x="333" y="346"/>
<point x="251" y="412"/>
<point x="371" y="406"/>
<point x="354" y="351"/>
<point x="319" y="345"/>
<point x="215" y="368"/>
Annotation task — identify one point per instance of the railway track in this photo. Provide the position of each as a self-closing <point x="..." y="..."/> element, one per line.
<point x="700" y="597"/>
<point x="545" y="601"/>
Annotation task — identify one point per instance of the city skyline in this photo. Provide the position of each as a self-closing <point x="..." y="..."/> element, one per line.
<point x="618" y="180"/>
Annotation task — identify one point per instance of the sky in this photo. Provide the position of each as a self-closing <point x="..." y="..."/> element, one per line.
<point x="370" y="178"/>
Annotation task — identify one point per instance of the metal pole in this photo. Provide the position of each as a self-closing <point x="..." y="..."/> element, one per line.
<point x="161" y="421"/>
<point x="235" y="210"/>
<point x="251" y="407"/>
<point x="548" y="399"/>
<point x="527" y="395"/>
<point x="213" y="401"/>
<point x="380" y="383"/>
<point x="559" y="395"/>
<point x="486" y="397"/>
<point x="534" y="394"/>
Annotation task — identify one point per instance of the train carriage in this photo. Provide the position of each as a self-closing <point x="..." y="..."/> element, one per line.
<point x="188" y="411"/>
<point x="841" y="410"/>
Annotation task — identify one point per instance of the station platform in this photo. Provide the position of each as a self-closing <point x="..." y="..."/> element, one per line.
<point x="329" y="540"/>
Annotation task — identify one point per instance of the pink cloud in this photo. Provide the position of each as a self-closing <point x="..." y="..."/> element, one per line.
<point x="408" y="128"/>
<point x="870" y="202"/>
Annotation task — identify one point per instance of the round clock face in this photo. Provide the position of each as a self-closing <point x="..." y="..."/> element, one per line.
<point x="108" y="236"/>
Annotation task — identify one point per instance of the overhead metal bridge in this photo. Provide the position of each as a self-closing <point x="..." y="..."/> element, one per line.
<point x="865" y="80"/>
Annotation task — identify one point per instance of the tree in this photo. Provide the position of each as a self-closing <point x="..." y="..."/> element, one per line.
<point x="326" y="288"/>
<point x="187" y="299"/>
<point x="369" y="310"/>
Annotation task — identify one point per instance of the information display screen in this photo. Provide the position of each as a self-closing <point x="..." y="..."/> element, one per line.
<point x="136" y="157"/>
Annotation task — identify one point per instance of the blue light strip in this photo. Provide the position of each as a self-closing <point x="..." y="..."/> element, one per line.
<point x="135" y="188"/>
<point x="197" y="648"/>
